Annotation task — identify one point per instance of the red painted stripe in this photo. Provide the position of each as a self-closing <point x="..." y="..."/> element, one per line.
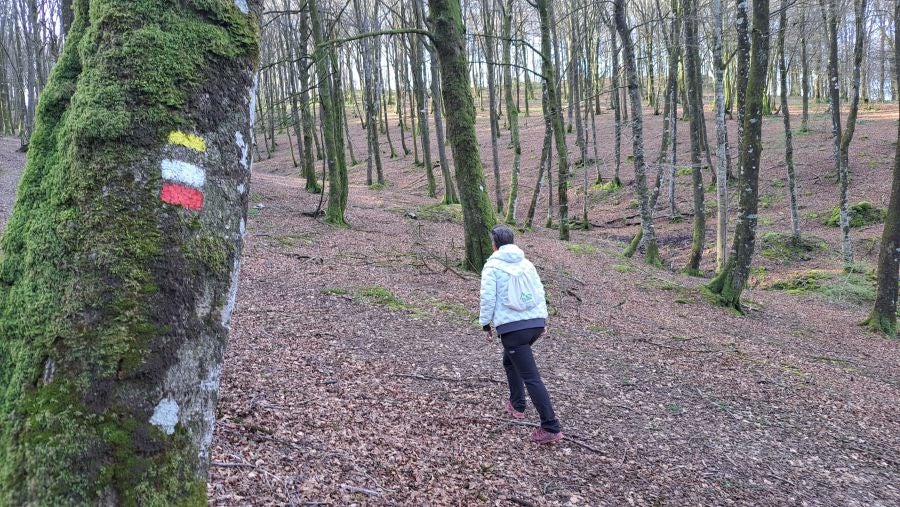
<point x="180" y="195"/>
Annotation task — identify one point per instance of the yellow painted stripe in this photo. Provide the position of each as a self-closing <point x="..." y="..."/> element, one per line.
<point x="188" y="140"/>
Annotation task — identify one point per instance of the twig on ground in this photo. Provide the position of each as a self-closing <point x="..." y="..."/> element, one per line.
<point x="782" y="479"/>
<point x="231" y="465"/>
<point x="354" y="489"/>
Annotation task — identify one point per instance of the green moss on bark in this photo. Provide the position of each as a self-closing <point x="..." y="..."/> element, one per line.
<point x="82" y="257"/>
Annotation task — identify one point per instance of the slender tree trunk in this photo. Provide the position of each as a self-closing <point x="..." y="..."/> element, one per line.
<point x="724" y="160"/>
<point x="450" y="196"/>
<point x="400" y="121"/>
<point x="692" y="75"/>
<point x="847" y="137"/>
<point x="804" y="83"/>
<point x="512" y="112"/>
<point x="617" y="106"/>
<point x="306" y="115"/>
<point x="545" y="158"/>
<point x="448" y="34"/>
<point x="743" y="65"/>
<point x="331" y="121"/>
<point x="418" y="68"/>
<point x="788" y="136"/>
<point x="648" y="232"/>
<point x="489" y="44"/>
<point x="726" y="288"/>
<point x="115" y="301"/>
<point x="556" y="118"/>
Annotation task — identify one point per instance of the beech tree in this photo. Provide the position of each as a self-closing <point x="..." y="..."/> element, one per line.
<point x="727" y="286"/>
<point x="842" y="137"/>
<point x="884" y="313"/>
<point x="120" y="262"/>
<point x="637" y="133"/>
<point x="448" y="34"/>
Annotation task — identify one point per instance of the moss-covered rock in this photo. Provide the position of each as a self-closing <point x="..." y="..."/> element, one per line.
<point x="861" y="214"/>
<point x="784" y="248"/>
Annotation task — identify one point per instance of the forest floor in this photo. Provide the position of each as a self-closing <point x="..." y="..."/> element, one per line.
<point x="357" y="375"/>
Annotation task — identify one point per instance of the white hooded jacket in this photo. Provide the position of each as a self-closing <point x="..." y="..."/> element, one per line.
<point x="495" y="286"/>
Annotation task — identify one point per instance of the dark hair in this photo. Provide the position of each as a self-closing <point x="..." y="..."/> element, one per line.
<point x="502" y="235"/>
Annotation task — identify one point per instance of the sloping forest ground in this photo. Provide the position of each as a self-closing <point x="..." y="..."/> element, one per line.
<point x="356" y="375"/>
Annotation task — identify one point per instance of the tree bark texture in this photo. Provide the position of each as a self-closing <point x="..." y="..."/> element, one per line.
<point x="120" y="261"/>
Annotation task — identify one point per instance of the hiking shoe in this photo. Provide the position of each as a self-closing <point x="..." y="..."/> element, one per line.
<point x="542" y="436"/>
<point x="515" y="414"/>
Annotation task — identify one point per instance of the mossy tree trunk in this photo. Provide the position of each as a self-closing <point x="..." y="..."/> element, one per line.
<point x="859" y="7"/>
<point x="788" y="135"/>
<point x="120" y="262"/>
<point x="331" y="119"/>
<point x="556" y="118"/>
<point x="884" y="314"/>
<point x="695" y="106"/>
<point x="726" y="288"/>
<point x="448" y="33"/>
<point x="512" y="112"/>
<point x="648" y="232"/>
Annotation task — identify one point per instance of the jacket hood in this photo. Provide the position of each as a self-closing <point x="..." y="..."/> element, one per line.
<point x="510" y="254"/>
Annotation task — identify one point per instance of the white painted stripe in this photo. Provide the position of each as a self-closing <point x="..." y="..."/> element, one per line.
<point x="183" y="172"/>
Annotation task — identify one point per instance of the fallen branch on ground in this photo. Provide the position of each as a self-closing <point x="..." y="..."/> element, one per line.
<point x="449" y="379"/>
<point x="680" y="349"/>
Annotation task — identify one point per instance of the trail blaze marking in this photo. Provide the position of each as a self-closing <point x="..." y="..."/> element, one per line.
<point x="180" y="195"/>
<point x="183" y="172"/>
<point x="187" y="140"/>
<point x="182" y="181"/>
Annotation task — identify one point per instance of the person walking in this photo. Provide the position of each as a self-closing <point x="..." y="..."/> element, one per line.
<point x="512" y="299"/>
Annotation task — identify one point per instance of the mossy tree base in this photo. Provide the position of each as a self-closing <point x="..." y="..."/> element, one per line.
<point x="885" y="324"/>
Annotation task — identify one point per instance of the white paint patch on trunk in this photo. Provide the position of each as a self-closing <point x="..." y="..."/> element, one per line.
<point x="253" y="100"/>
<point x="242" y="5"/>
<point x="183" y="172"/>
<point x="228" y="309"/>
<point x="209" y="385"/>
<point x="245" y="153"/>
<point x="243" y="227"/>
<point x="165" y="415"/>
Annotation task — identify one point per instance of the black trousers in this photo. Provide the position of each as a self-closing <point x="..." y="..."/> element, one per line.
<point x="522" y="374"/>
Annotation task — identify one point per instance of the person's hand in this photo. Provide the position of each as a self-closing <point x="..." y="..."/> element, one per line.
<point x="488" y="335"/>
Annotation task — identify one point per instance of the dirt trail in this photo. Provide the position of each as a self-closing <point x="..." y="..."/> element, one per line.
<point x="332" y="384"/>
